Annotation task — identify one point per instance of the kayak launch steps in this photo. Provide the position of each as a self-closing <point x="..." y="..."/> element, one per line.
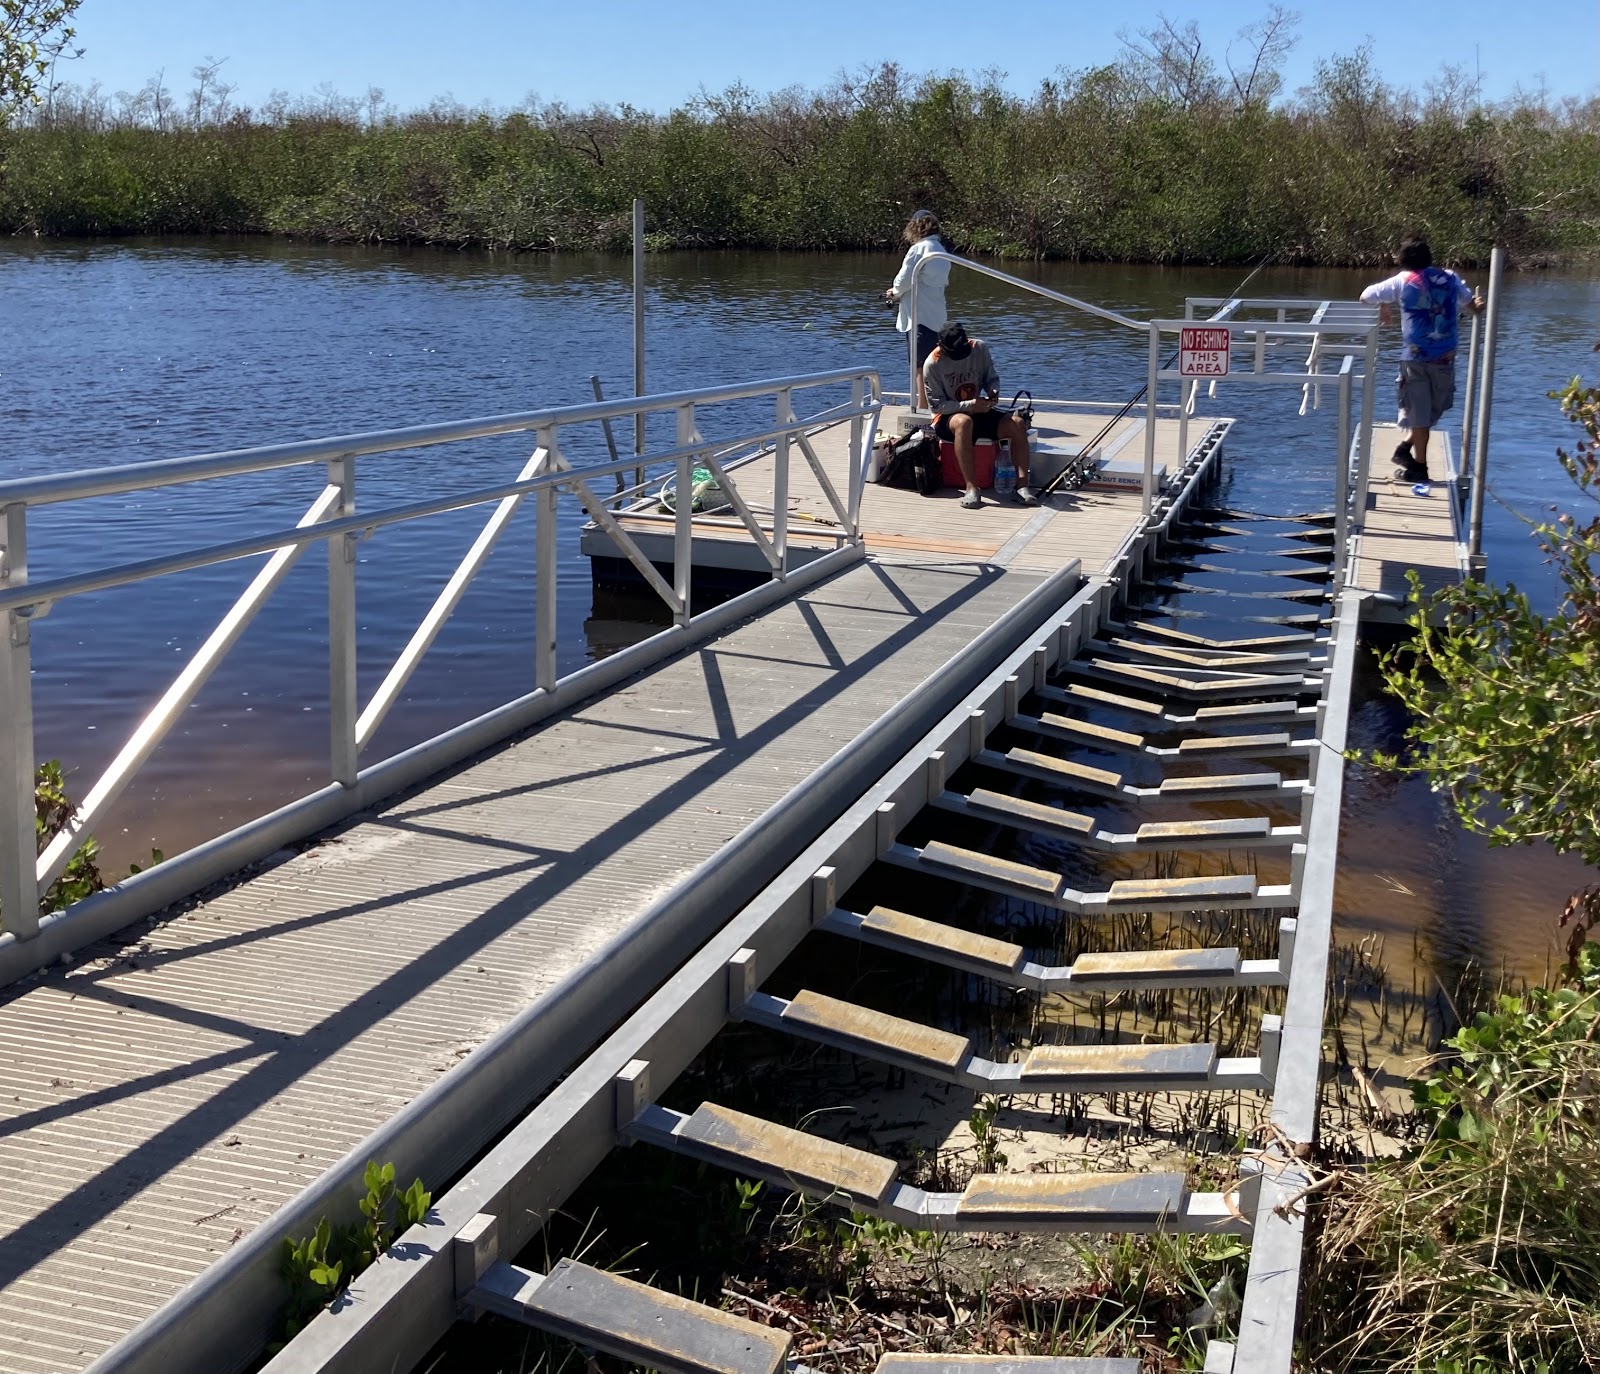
<point x="1102" y="782"/>
<point x="1008" y="963"/>
<point x="753" y="1148"/>
<point x="1194" y="681"/>
<point x="1080" y="694"/>
<point x="1040" y="818"/>
<point x="632" y="1321"/>
<point x="951" y="1058"/>
<point x="1028" y="882"/>
<point x="1069" y="728"/>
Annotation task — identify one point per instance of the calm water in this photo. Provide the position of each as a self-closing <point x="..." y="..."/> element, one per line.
<point x="133" y="351"/>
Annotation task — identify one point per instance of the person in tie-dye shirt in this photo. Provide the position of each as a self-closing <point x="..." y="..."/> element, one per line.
<point x="1430" y="299"/>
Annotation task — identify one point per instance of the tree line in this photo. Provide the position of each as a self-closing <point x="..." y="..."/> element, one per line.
<point x="1166" y="156"/>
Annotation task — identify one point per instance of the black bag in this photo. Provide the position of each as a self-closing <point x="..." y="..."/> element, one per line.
<point x="910" y="462"/>
<point x="1021" y="411"/>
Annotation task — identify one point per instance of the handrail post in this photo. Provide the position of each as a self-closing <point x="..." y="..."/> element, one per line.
<point x="19" y="889"/>
<point x="782" y="414"/>
<point x="858" y="460"/>
<point x="1468" y="403"/>
<point x="1480" y="433"/>
<point x="545" y="558"/>
<point x="683" y="524"/>
<point x="344" y="709"/>
<point x="638" y="334"/>
<point x="1150" y="420"/>
<point x="1342" y="473"/>
<point x="1369" y="395"/>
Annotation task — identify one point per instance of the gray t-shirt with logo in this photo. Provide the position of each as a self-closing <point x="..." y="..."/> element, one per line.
<point x="950" y="381"/>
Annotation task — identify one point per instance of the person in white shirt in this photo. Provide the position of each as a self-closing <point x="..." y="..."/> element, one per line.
<point x="922" y="234"/>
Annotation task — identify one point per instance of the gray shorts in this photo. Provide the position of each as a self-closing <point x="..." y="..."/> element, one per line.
<point x="1426" y="390"/>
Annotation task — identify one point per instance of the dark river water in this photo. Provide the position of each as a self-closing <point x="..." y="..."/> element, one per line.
<point x="130" y="351"/>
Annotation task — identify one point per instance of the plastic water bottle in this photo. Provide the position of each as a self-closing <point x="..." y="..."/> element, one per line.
<point x="1005" y="471"/>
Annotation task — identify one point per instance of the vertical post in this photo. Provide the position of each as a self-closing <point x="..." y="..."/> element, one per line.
<point x="1468" y="403"/>
<point x="544" y="553"/>
<point x="782" y="415"/>
<point x="1369" y="394"/>
<point x="1341" y="469"/>
<point x="683" y="526"/>
<point x="19" y="890"/>
<point x="1150" y="419"/>
<point x="1480" y="431"/>
<point x="858" y="460"/>
<point x="343" y="708"/>
<point x="911" y="337"/>
<point x="638" y="334"/>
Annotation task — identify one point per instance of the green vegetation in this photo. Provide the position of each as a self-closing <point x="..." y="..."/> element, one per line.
<point x="1474" y="1250"/>
<point x="1475" y="1253"/>
<point x="53" y="808"/>
<point x="1165" y="156"/>
<point x="1505" y="701"/>
<point x="321" y="1266"/>
<point x="34" y="36"/>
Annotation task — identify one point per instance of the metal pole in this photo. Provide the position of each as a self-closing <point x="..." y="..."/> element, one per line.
<point x="544" y="552"/>
<point x="638" y="333"/>
<point x="911" y="337"/>
<point x="1469" y="402"/>
<point x="858" y="459"/>
<point x="605" y="425"/>
<point x="782" y="414"/>
<point x="19" y="891"/>
<point x="683" y="525"/>
<point x="343" y="708"/>
<point x="1150" y="420"/>
<point x="1342" y="475"/>
<point x="1480" y="433"/>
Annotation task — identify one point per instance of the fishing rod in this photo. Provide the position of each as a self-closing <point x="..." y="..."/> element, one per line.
<point x="1099" y="438"/>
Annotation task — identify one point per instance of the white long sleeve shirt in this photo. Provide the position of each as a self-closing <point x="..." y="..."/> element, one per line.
<point x="930" y="287"/>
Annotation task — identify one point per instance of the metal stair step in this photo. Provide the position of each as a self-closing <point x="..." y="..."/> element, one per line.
<point x="914" y="935"/>
<point x="1216" y="744"/>
<point x="758" y="1148"/>
<point x="1260" y="642"/>
<point x="1066" y="770"/>
<point x="1092" y="1064"/>
<point x="859" y="1029"/>
<point x="1176" y="964"/>
<point x="1143" y="1199"/>
<point x="1001" y="1364"/>
<point x="1007" y="809"/>
<point x="1234" y="684"/>
<point x="1135" y="891"/>
<point x="630" y="1320"/>
<point x="1084" y="729"/>
<point x="1022" y="876"/>
<point x="1189" y="589"/>
<point x="1241" y="827"/>
<point x="1237" y="782"/>
<point x="1262" y="710"/>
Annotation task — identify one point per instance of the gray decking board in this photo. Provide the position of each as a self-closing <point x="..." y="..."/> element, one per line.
<point x="162" y="1096"/>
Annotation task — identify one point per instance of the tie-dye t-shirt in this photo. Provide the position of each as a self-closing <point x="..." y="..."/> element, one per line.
<point x="1430" y="302"/>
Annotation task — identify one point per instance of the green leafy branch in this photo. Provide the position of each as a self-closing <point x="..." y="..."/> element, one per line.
<point x="1505" y="702"/>
<point x="323" y="1264"/>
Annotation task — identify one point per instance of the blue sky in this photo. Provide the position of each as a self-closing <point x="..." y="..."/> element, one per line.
<point x="655" y="53"/>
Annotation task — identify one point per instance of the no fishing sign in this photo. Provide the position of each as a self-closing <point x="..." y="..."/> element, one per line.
<point x="1202" y="352"/>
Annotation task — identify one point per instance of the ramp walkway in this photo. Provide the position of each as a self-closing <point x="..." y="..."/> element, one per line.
<point x="170" y="1089"/>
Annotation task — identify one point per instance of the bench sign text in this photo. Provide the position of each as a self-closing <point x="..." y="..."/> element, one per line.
<point x="1202" y="352"/>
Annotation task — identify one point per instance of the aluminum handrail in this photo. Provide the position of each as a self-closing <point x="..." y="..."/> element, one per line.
<point x="332" y="520"/>
<point x="34" y="594"/>
<point x="115" y="480"/>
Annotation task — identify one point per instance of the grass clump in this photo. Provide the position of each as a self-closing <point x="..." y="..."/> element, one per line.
<point x="1476" y="1250"/>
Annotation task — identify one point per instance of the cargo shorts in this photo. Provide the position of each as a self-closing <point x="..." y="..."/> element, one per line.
<point x="1427" y="390"/>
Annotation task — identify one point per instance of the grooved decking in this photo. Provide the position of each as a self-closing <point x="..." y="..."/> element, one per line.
<point x="162" y="1096"/>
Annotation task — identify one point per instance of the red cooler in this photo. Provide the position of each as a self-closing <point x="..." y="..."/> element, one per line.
<point x="983" y="451"/>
